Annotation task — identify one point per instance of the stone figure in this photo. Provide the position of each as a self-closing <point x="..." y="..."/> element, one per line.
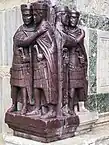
<point x="21" y="82"/>
<point x="69" y="41"/>
<point x="77" y="64"/>
<point x="49" y="66"/>
<point x="21" y="71"/>
<point x="44" y="64"/>
<point x="61" y="23"/>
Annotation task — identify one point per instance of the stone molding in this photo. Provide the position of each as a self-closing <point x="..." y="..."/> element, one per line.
<point x="103" y="119"/>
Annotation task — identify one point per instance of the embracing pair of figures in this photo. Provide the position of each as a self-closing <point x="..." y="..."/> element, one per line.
<point x="49" y="68"/>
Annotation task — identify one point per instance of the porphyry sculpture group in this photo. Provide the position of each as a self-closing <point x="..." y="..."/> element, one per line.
<point x="48" y="73"/>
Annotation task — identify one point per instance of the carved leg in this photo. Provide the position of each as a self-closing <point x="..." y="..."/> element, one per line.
<point x="37" y="98"/>
<point x="82" y="98"/>
<point x="24" y="101"/>
<point x="76" y="107"/>
<point x="71" y="101"/>
<point x="76" y="101"/>
<point x="44" y="108"/>
<point x="14" y="94"/>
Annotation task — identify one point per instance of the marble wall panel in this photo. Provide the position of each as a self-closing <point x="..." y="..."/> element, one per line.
<point x="103" y="62"/>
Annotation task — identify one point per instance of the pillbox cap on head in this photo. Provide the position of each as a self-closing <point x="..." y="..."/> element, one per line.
<point x="75" y="12"/>
<point x="26" y="7"/>
<point x="62" y="9"/>
<point x="40" y="5"/>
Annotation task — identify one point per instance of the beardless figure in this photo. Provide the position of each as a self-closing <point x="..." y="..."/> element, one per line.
<point x="44" y="64"/>
<point x="21" y="71"/>
<point x="21" y="66"/>
<point x="65" y="42"/>
<point x="77" y="65"/>
<point x="62" y="22"/>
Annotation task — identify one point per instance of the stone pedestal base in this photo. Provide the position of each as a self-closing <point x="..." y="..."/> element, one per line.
<point x="43" y="130"/>
<point x="98" y="136"/>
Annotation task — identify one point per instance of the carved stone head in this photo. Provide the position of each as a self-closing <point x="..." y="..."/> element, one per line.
<point x="74" y="17"/>
<point x="40" y="10"/>
<point x="62" y="15"/>
<point x="65" y="16"/>
<point x="27" y="13"/>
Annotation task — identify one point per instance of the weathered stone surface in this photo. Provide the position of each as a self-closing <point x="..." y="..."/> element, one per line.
<point x="91" y="102"/>
<point x="102" y="103"/>
<point x="103" y="23"/>
<point x="87" y="121"/>
<point x="43" y="130"/>
<point x="83" y="19"/>
<point x="94" y="6"/>
<point x="93" y="21"/>
<point x="88" y="7"/>
<point x="92" y="59"/>
<point x="98" y="102"/>
<point x="70" y="3"/>
<point x="98" y="136"/>
<point x="103" y="120"/>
